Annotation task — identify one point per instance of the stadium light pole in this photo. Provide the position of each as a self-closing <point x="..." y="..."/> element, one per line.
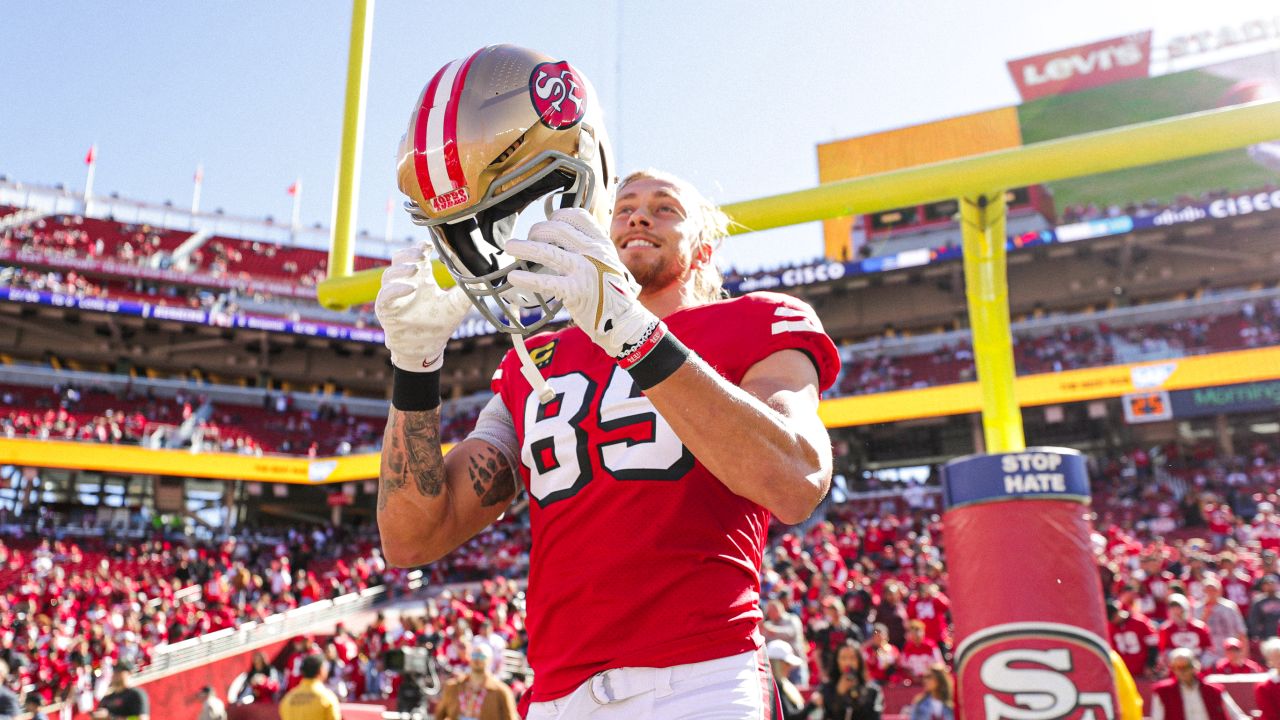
<point x="342" y="244"/>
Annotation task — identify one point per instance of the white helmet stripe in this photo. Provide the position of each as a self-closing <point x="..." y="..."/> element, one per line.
<point x="438" y="172"/>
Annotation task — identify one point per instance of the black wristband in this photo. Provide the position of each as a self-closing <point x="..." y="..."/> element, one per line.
<point x="414" y="391"/>
<point x="665" y="358"/>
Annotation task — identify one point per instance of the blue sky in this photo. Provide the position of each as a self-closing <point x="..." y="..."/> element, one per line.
<point x="732" y="95"/>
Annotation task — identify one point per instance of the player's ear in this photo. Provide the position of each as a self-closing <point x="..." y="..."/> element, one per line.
<point x="702" y="255"/>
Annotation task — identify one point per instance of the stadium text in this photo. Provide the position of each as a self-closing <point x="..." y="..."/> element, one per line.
<point x="1245" y="204"/>
<point x="1227" y="36"/>
<point x="1063" y="67"/>
<point x="1035" y="482"/>
<point x="1018" y="480"/>
<point x="1081" y="67"/>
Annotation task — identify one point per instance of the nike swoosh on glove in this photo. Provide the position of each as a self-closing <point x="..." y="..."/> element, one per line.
<point x="416" y="315"/>
<point x="581" y="267"/>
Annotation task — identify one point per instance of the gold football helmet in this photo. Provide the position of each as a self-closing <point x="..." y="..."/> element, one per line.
<point x="490" y="134"/>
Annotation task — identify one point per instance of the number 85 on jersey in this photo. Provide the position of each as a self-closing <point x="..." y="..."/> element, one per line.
<point x="628" y="437"/>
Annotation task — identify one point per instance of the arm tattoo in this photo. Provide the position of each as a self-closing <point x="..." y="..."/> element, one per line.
<point x="411" y="449"/>
<point x="491" y="477"/>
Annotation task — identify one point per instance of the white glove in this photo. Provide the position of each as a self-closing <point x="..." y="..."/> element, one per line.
<point x="417" y="317"/>
<point x="583" y="270"/>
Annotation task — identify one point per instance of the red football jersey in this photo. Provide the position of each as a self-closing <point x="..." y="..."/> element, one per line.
<point x="1133" y="640"/>
<point x="1238" y="588"/>
<point x="917" y="657"/>
<point x="1155" y="591"/>
<point x="1246" y="667"/>
<point x="1267" y="533"/>
<point x="640" y="556"/>
<point x="881" y="662"/>
<point x="933" y="613"/>
<point x="1190" y="634"/>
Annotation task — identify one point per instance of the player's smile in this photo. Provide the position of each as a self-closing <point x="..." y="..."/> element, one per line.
<point x="638" y="241"/>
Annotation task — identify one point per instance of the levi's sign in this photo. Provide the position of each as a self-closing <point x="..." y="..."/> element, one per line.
<point x="1086" y="66"/>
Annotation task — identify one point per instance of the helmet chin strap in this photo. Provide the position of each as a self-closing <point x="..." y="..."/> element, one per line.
<point x="530" y="370"/>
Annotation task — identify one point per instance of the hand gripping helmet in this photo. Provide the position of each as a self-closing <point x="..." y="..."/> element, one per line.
<point x="491" y="134"/>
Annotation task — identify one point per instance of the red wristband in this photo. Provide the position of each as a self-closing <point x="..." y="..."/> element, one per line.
<point x="657" y="356"/>
<point x="646" y="346"/>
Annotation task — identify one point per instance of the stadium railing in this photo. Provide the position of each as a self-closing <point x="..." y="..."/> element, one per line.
<point x="201" y="650"/>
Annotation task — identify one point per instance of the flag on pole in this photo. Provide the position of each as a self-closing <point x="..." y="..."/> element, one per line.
<point x="195" y="191"/>
<point x="90" y="159"/>
<point x="296" y="191"/>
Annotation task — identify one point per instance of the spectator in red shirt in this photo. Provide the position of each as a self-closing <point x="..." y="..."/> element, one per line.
<point x="1266" y="527"/>
<point x="1134" y="638"/>
<point x="1234" y="660"/>
<point x="261" y="682"/>
<point x="1267" y="693"/>
<point x="918" y="653"/>
<point x="881" y="656"/>
<point x="1170" y="697"/>
<point x="1183" y="631"/>
<point x="892" y="612"/>
<point x="932" y="608"/>
<point x="1237" y="585"/>
<point x="1155" y="583"/>
<point x="1220" y="520"/>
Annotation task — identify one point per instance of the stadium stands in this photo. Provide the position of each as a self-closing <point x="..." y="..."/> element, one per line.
<point x="1070" y="343"/>
<point x="871" y="561"/>
<point x="1192" y="505"/>
<point x="75" y="236"/>
<point x="89" y="601"/>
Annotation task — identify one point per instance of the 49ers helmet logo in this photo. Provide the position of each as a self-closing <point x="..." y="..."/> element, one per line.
<point x="558" y="94"/>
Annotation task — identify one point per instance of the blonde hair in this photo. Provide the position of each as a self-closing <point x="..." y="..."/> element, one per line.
<point x="710" y="227"/>
<point x="942" y="678"/>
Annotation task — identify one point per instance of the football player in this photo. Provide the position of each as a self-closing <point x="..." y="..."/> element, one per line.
<point x="655" y="437"/>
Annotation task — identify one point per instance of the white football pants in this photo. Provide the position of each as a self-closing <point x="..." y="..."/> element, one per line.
<point x="738" y="687"/>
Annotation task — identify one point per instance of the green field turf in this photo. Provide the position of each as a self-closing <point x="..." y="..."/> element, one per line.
<point x="1131" y="102"/>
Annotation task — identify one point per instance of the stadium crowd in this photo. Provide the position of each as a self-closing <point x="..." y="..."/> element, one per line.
<point x="1146" y="208"/>
<point x="1067" y="348"/>
<point x="144" y="245"/>
<point x="1183" y="532"/>
<point x="98" y="415"/>
<point x="1187" y="539"/>
<point x="1187" y="536"/>
<point x="74" y="607"/>
<point x="95" y="414"/>
<point x="91" y="413"/>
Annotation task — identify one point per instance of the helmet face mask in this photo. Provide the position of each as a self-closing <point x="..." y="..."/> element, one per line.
<point x="471" y="203"/>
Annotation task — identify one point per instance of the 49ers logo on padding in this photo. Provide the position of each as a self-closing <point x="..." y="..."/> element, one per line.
<point x="558" y="94"/>
<point x="1036" y="671"/>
